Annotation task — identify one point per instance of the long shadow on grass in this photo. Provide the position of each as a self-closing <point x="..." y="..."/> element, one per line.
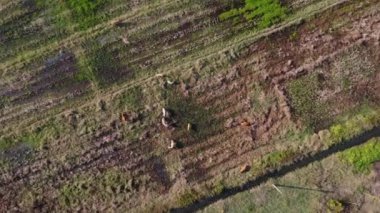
<point x="299" y="163"/>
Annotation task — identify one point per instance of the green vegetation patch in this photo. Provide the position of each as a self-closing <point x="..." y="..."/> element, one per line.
<point x="84" y="13"/>
<point x="85" y="8"/>
<point x="104" y="187"/>
<point x="261" y="101"/>
<point x="363" y="156"/>
<point x="335" y="206"/>
<point x="35" y="138"/>
<point x="187" y="111"/>
<point x="266" y="199"/>
<point x="4" y="102"/>
<point x="352" y="67"/>
<point x="264" y="13"/>
<point x="274" y="159"/>
<point x="353" y="124"/>
<point x="305" y="100"/>
<point x="131" y="99"/>
<point x="188" y="197"/>
<point x="100" y="65"/>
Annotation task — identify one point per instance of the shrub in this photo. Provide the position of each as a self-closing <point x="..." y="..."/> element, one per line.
<point x="335" y="206"/>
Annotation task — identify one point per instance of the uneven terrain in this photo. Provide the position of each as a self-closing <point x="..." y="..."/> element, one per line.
<point x="151" y="106"/>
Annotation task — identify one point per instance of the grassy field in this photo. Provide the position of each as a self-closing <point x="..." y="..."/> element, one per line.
<point x="148" y="106"/>
<point x="330" y="185"/>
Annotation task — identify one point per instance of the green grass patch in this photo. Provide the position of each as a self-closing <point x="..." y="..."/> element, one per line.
<point x="34" y="139"/>
<point x="353" y="124"/>
<point x="187" y="111"/>
<point x="260" y="100"/>
<point x="305" y="101"/>
<point x="273" y="160"/>
<point x="84" y="13"/>
<point x="218" y="188"/>
<point x="363" y="156"/>
<point x="353" y="66"/>
<point x="86" y="72"/>
<point x="58" y="11"/>
<point x="131" y="99"/>
<point x="188" y="197"/>
<point x="99" y="65"/>
<point x="74" y="193"/>
<point x="294" y="36"/>
<point x="4" y="102"/>
<point x="6" y="143"/>
<point x="104" y="187"/>
<point x="264" y="13"/>
<point x="265" y="199"/>
<point x="241" y="203"/>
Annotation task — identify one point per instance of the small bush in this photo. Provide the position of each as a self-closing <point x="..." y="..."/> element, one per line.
<point x="335" y="206"/>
